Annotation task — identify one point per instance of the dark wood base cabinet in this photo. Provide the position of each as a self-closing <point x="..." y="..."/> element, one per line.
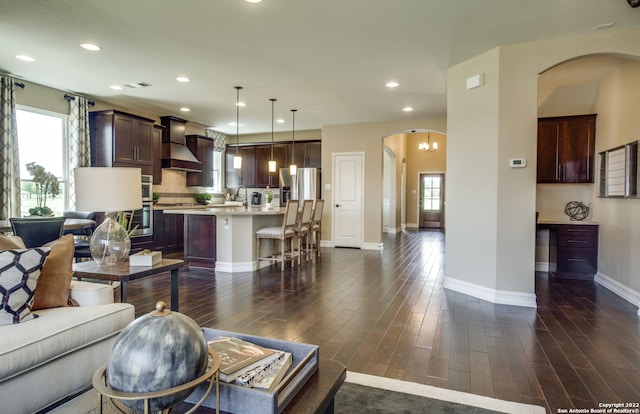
<point x="573" y="250"/>
<point x="168" y="232"/>
<point x="200" y="240"/>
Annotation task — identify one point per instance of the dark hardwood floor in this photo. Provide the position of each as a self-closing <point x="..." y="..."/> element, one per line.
<point x="386" y="313"/>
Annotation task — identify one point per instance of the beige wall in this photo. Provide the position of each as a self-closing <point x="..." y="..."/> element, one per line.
<point x="618" y="123"/>
<point x="491" y="207"/>
<point x="366" y="138"/>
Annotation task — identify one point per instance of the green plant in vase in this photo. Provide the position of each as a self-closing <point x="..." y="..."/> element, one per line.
<point x="202" y="198"/>
<point x="155" y="198"/>
<point x="46" y="185"/>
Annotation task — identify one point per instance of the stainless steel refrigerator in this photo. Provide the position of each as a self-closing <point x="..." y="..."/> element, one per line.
<point x="305" y="185"/>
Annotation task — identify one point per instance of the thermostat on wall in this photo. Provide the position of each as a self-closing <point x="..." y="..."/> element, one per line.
<point x="517" y="163"/>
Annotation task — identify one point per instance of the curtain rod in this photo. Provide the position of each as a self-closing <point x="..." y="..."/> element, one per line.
<point x="69" y="98"/>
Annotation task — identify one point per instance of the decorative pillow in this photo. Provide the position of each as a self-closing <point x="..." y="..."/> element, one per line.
<point x="19" y="273"/>
<point x="9" y="243"/>
<point x="54" y="284"/>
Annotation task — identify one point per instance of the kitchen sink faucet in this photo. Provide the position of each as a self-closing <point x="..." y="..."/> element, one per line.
<point x="244" y="200"/>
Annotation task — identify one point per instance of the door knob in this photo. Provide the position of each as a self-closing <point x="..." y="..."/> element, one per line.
<point x="337" y="205"/>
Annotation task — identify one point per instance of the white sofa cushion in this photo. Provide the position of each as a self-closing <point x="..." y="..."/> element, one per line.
<point x="58" y="331"/>
<point x="90" y="293"/>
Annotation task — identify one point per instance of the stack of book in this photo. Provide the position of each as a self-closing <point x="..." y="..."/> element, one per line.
<point x="250" y="365"/>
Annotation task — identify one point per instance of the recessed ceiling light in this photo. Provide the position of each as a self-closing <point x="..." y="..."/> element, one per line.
<point x="241" y="104"/>
<point x="392" y="84"/>
<point x="90" y="46"/>
<point x="407" y="109"/>
<point x="253" y="1"/>
<point x="232" y="124"/>
<point x="25" y="58"/>
<point x="116" y="87"/>
<point x="185" y="109"/>
<point x="280" y="121"/>
<point x="182" y="79"/>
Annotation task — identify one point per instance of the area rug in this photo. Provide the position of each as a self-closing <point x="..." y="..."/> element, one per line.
<point x="362" y="393"/>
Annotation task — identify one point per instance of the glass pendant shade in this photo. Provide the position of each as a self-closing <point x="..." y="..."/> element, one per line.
<point x="108" y="190"/>
<point x="293" y="169"/>
<point x="237" y="159"/>
<point x="272" y="166"/>
<point x="237" y="162"/>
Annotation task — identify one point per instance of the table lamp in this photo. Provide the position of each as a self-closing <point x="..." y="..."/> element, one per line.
<point x="108" y="190"/>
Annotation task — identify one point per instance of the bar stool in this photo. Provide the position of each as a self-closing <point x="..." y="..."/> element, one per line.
<point x="303" y="229"/>
<point x="285" y="232"/>
<point x="316" y="228"/>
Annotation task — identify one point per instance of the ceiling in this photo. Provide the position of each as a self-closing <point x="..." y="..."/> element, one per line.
<point x="330" y="59"/>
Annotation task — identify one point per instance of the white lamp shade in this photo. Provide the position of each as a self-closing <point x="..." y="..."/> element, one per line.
<point x="103" y="189"/>
<point x="293" y="169"/>
<point x="272" y="166"/>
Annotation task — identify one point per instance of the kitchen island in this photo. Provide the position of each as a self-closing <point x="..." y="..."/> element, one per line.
<point x="224" y="238"/>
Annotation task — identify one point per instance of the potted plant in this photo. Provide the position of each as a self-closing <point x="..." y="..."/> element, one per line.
<point x="47" y="185"/>
<point x="155" y="197"/>
<point x="202" y="198"/>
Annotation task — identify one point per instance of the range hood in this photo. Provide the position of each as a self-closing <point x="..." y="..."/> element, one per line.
<point x="175" y="154"/>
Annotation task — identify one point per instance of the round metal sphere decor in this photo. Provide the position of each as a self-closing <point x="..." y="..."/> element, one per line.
<point x="156" y="352"/>
<point x="576" y="210"/>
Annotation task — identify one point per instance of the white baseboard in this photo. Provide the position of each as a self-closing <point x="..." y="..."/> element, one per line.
<point x="326" y="243"/>
<point x="412" y="225"/>
<point x="372" y="246"/>
<point x="625" y="292"/>
<point x="392" y="230"/>
<point x="501" y="297"/>
<point x="542" y="266"/>
<point x="228" y="267"/>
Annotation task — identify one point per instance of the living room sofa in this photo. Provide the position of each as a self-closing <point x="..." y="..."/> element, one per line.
<point x="54" y="355"/>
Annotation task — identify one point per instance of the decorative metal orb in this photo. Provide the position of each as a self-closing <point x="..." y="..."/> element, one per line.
<point x="155" y="352"/>
<point x="576" y="210"/>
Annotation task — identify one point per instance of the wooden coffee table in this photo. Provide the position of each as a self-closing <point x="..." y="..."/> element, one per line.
<point x="124" y="273"/>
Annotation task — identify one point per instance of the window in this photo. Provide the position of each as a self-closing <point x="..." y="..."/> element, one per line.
<point x="217" y="171"/>
<point x="431" y="193"/>
<point x="42" y="139"/>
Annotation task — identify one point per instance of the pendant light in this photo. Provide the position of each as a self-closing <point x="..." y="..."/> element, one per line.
<point x="426" y="146"/>
<point x="237" y="159"/>
<point x="293" y="168"/>
<point x="272" y="162"/>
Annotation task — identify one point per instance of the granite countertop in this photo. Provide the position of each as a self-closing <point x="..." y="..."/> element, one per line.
<point x="568" y="221"/>
<point x="233" y="211"/>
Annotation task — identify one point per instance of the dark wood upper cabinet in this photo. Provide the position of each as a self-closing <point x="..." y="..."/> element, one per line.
<point x="202" y="148"/>
<point x="157" y="154"/>
<point x="119" y="139"/>
<point x="255" y="162"/>
<point x="566" y="148"/>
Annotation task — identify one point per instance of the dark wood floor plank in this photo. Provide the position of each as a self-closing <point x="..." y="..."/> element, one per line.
<point x="386" y="313"/>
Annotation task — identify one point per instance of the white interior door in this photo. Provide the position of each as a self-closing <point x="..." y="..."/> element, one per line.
<point x="348" y="199"/>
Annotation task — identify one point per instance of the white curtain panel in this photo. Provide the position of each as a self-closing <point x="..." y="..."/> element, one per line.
<point x="10" y="168"/>
<point x="79" y="148"/>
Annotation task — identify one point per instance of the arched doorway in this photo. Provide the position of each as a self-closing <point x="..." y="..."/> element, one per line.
<point x="403" y="165"/>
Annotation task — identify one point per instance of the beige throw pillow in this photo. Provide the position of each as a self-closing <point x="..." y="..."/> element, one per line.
<point x="54" y="283"/>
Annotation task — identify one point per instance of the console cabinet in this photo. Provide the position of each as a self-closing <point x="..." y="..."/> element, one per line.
<point x="573" y="250"/>
<point x="566" y="148"/>
<point x="119" y="139"/>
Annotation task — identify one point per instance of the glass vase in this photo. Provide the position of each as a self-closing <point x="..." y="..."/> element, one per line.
<point x="110" y="243"/>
